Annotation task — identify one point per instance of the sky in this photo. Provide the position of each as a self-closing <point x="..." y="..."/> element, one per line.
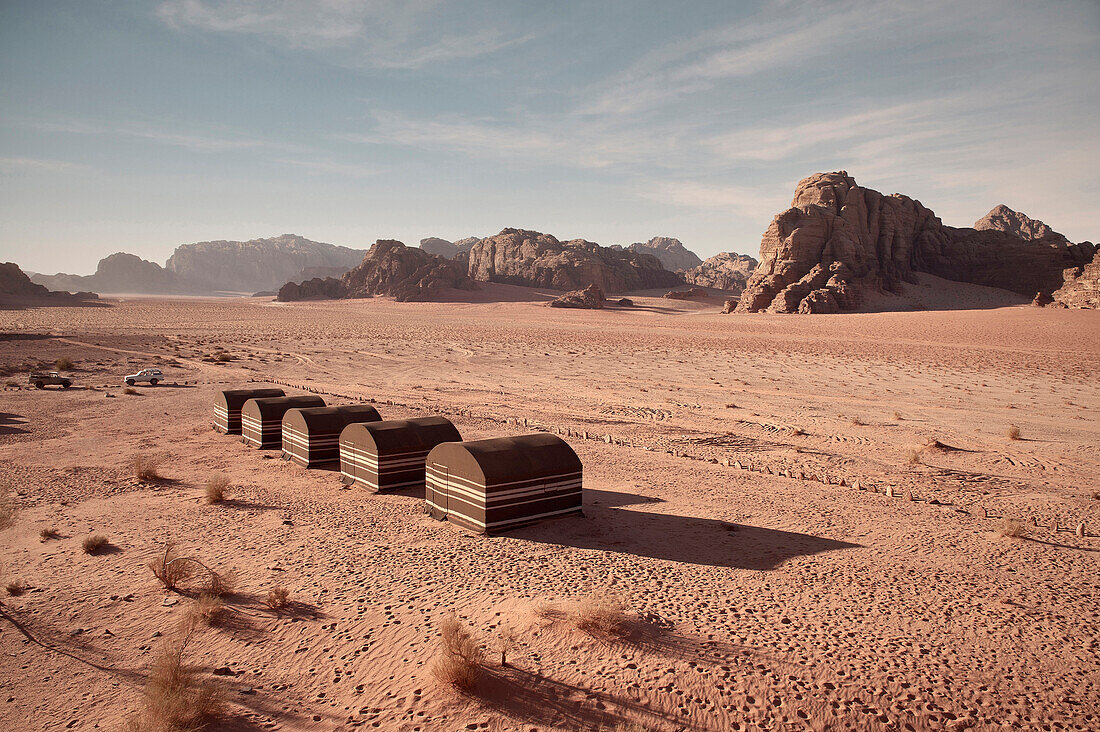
<point x="138" y="126"/>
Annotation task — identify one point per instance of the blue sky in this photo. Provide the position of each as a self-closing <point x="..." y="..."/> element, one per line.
<point x="138" y="126"/>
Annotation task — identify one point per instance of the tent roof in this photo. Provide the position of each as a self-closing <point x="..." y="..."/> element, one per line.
<point x="400" y="435"/>
<point x="507" y="459"/>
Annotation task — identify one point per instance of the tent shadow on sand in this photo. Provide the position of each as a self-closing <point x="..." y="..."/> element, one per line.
<point x="607" y="526"/>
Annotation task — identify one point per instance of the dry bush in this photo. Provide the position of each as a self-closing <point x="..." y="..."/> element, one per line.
<point x="223" y="357"/>
<point x="131" y="391"/>
<point x="601" y="614"/>
<point x="914" y="456"/>
<point x="63" y="364"/>
<point x="48" y="533"/>
<point x="1096" y="495"/>
<point x="95" y="544"/>
<point x="461" y="658"/>
<point x="507" y="640"/>
<point x="858" y="422"/>
<point x="15" y="588"/>
<point x="207" y="609"/>
<point x="217" y="489"/>
<point x="145" y="467"/>
<point x="221" y="584"/>
<point x="175" y="699"/>
<point x="1013" y="432"/>
<point x="277" y="598"/>
<point x="171" y="568"/>
<point x="896" y="416"/>
<point x="1012" y="528"/>
<point x="7" y="505"/>
<point x="795" y="431"/>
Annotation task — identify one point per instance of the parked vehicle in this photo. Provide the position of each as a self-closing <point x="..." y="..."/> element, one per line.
<point x="151" y="376"/>
<point x="50" y="378"/>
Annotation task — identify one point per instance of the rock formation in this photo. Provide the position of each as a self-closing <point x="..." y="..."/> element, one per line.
<point x="519" y="257"/>
<point x="1080" y="288"/>
<point x="725" y="271"/>
<point x="389" y="268"/>
<point x="119" y="272"/>
<point x="17" y="287"/>
<point x="590" y="298"/>
<point x="1002" y="218"/>
<point x="838" y="242"/>
<point x="447" y="250"/>
<point x="687" y="294"/>
<point x="259" y="264"/>
<point x="673" y="255"/>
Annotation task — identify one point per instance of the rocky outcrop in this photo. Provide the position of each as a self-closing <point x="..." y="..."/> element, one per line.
<point x="590" y="298"/>
<point x="447" y="250"/>
<point x="673" y="255"/>
<point x="1080" y="288"/>
<point x="687" y="294"/>
<point x="259" y="264"/>
<point x="839" y="242"/>
<point x="16" y="286"/>
<point x="389" y="268"/>
<point x="532" y="259"/>
<point x="1002" y="218"/>
<point x="122" y="273"/>
<point x="726" y="271"/>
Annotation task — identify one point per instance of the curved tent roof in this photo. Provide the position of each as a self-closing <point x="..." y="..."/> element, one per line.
<point x="234" y="399"/>
<point x="400" y="435"/>
<point x="329" y="419"/>
<point x="507" y="459"/>
<point x="268" y="408"/>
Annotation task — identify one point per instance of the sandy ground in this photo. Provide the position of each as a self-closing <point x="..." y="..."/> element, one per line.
<point x="801" y="590"/>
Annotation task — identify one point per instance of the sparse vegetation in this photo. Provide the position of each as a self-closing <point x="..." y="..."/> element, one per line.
<point x="95" y="544"/>
<point x="1012" y="528"/>
<point x="208" y="609"/>
<point x="601" y="614"/>
<point x="896" y="416"/>
<point x="15" y="588"/>
<point x="8" y="510"/>
<point x="277" y="598"/>
<point x="461" y="658"/>
<point x="857" y="421"/>
<point x="506" y="642"/>
<point x="223" y="357"/>
<point x="145" y="467"/>
<point x="1096" y="495"/>
<point x="795" y="431"/>
<point x="131" y="391"/>
<point x="63" y="364"/>
<point x="173" y="568"/>
<point x="217" y="489"/>
<point x="48" y="533"/>
<point x="914" y="456"/>
<point x="1013" y="432"/>
<point x="175" y="699"/>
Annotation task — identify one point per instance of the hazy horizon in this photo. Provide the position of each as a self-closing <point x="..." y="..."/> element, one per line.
<point x="139" y="126"/>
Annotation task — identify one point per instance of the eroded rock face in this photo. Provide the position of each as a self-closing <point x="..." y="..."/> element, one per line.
<point x="16" y="285"/>
<point x="726" y="271"/>
<point x="529" y="258"/>
<point x="389" y="268"/>
<point x="119" y="272"/>
<point x="259" y="264"/>
<point x="590" y="298"/>
<point x="1002" y="218"/>
<point x="1080" y="288"/>
<point x="840" y="241"/>
<point x="447" y="250"/>
<point x="673" y="255"/>
<point x="687" y="294"/>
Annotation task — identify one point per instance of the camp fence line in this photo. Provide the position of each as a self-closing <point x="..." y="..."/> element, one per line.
<point x="763" y="469"/>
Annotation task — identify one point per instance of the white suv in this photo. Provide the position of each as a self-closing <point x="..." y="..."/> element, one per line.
<point x="150" y="375"/>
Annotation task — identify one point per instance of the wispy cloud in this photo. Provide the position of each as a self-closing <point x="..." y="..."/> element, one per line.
<point x="392" y="34"/>
<point x="30" y="165"/>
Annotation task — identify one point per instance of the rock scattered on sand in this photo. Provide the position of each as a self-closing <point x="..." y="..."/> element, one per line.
<point x="687" y="294"/>
<point x="590" y="298"/>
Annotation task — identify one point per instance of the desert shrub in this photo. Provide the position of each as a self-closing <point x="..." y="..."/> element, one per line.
<point x="1096" y="495"/>
<point x="913" y="457"/>
<point x="171" y="568"/>
<point x="221" y="583"/>
<point x="95" y="544"/>
<point x="460" y="658"/>
<point x="507" y="640"/>
<point x="601" y="613"/>
<point x="144" y="467"/>
<point x="1013" y="432"/>
<point x="896" y="416"/>
<point x="223" y="357"/>
<point x="175" y="698"/>
<point x="277" y="598"/>
<point x="131" y="391"/>
<point x="207" y="609"/>
<point x="1012" y="528"/>
<point x="63" y="364"/>
<point x="15" y="588"/>
<point x="217" y="489"/>
<point x="48" y="533"/>
<point x="7" y="505"/>
<point x="857" y="421"/>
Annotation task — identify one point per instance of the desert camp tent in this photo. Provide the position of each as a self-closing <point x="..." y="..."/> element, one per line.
<point x="311" y="437"/>
<point x="228" y="403"/>
<point x="390" y="455"/>
<point x="262" y="419"/>
<point x="498" y="484"/>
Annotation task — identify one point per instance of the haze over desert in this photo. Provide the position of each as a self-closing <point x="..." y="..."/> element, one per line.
<point x="495" y="367"/>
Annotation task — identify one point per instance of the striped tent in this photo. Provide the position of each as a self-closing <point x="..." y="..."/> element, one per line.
<point x="262" y="419"/>
<point x="390" y="455"/>
<point x="311" y="437"/>
<point x="228" y="403"/>
<point x="494" y="485"/>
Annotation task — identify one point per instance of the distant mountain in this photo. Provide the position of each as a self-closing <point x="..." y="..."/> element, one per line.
<point x="1002" y="218"/>
<point x="533" y="259"/>
<point x="725" y="271"/>
<point x="673" y="254"/>
<point x="446" y="249"/>
<point x="17" y="287"/>
<point x="119" y="272"/>
<point x="259" y="264"/>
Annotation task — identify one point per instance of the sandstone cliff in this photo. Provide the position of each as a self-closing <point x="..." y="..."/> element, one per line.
<point x="1002" y="218"/>
<point x="17" y="287"/>
<point x="520" y="257"/>
<point x="673" y="255"/>
<point x="119" y="272"/>
<point x="259" y="264"/>
<point x="838" y="242"/>
<point x="1080" y="288"/>
<point x="726" y="271"/>
<point x="446" y="249"/>
<point x="389" y="268"/>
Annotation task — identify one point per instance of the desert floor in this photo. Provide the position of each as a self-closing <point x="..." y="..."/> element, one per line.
<point x="850" y="574"/>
